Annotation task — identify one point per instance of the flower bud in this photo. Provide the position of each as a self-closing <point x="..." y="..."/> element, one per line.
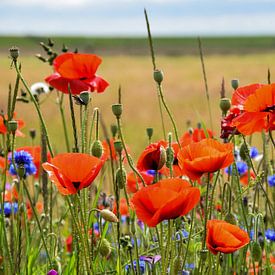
<point x="121" y="177"/>
<point x="97" y="149"/>
<point x="225" y="104"/>
<point x="117" y="110"/>
<point x="230" y="218"/>
<point x="149" y="132"/>
<point x="256" y="251"/>
<point x="40" y="57"/>
<point x="162" y="158"/>
<point x="169" y="156"/>
<point x="12" y="126"/>
<point x="235" y="83"/>
<point x="85" y="97"/>
<point x="32" y="133"/>
<point x="244" y="151"/>
<point x="203" y="254"/>
<point x="118" y="146"/>
<point x="105" y="248"/>
<point x="158" y="76"/>
<point x="14" y="53"/>
<point x="114" y="130"/>
<point x="108" y="215"/>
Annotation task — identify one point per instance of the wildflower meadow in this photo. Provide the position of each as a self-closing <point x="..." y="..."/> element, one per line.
<point x="193" y="202"/>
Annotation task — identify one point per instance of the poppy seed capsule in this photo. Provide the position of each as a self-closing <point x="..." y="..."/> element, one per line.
<point x="105" y="248"/>
<point x="121" y="177"/>
<point x="230" y="218"/>
<point x="235" y="84"/>
<point x="85" y="97"/>
<point x="97" y="149"/>
<point x="225" y="104"/>
<point x="158" y="76"/>
<point x="114" y="130"/>
<point x="149" y="132"/>
<point x="203" y="254"/>
<point x="14" y="53"/>
<point x="12" y="126"/>
<point x="256" y="251"/>
<point x="117" y="110"/>
<point x="244" y="151"/>
<point x="108" y="215"/>
<point x="118" y="146"/>
<point x="169" y="156"/>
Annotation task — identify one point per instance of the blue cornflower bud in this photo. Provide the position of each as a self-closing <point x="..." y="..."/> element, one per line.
<point x="241" y="167"/>
<point x="270" y="234"/>
<point x="271" y="180"/>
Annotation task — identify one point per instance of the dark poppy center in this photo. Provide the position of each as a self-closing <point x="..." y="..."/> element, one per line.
<point x="83" y="78"/>
<point x="269" y="109"/>
<point x="76" y="184"/>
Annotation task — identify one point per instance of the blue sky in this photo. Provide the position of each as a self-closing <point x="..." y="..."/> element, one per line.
<point x="125" y="17"/>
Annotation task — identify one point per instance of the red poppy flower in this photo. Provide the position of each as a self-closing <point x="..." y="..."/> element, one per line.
<point x="227" y="127"/>
<point x="69" y="244"/>
<point x="77" y="71"/>
<point x="225" y="237"/>
<point x="71" y="172"/>
<point x="194" y="135"/>
<point x="258" y="110"/>
<point x="153" y="157"/>
<point x="206" y="156"/>
<point x="134" y="181"/>
<point x="167" y="199"/>
<point x="244" y="178"/>
<point x="11" y="195"/>
<point x="123" y="207"/>
<point x="3" y="126"/>
<point x="35" y="152"/>
<point x="38" y="206"/>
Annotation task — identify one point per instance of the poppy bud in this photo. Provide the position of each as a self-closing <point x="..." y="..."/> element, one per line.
<point x="97" y="149"/>
<point x="256" y="251"/>
<point x="85" y="97"/>
<point x="190" y="130"/>
<point x="64" y="48"/>
<point x="225" y="104"/>
<point x="117" y="110"/>
<point x="14" y="53"/>
<point x="32" y="133"/>
<point x="105" y="248"/>
<point x="108" y="215"/>
<point x="230" y="218"/>
<point x="12" y="126"/>
<point x="162" y="158"/>
<point x="118" y="146"/>
<point x="121" y="177"/>
<point x="40" y="57"/>
<point x="158" y="76"/>
<point x="169" y="156"/>
<point x="235" y="84"/>
<point x="244" y="151"/>
<point x="176" y="265"/>
<point x="149" y="132"/>
<point x="114" y="130"/>
<point x="203" y="254"/>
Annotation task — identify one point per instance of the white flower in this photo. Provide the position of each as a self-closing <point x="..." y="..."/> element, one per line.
<point x="39" y="88"/>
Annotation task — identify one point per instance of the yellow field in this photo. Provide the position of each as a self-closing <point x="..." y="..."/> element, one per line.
<point x="183" y="87"/>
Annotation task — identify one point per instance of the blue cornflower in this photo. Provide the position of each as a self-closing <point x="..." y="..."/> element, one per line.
<point x="254" y="152"/>
<point x="9" y="208"/>
<point x="190" y="266"/>
<point x="141" y="265"/>
<point x="22" y="158"/>
<point x="270" y="234"/>
<point x="271" y="180"/>
<point x="151" y="172"/>
<point x="241" y="166"/>
<point x="184" y="234"/>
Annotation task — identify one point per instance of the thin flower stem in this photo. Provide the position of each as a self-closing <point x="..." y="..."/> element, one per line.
<point x="36" y="106"/>
<point x="206" y="212"/>
<point x="38" y="222"/>
<point x="212" y="195"/>
<point x="167" y="250"/>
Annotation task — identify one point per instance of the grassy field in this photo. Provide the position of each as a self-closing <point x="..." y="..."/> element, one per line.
<point x="183" y="88"/>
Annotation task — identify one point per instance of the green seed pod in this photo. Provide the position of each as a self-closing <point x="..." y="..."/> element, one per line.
<point x="32" y="133"/>
<point x="225" y="104"/>
<point x="114" y="130"/>
<point x="118" y="146"/>
<point x="169" y="156"/>
<point x="108" y="215"/>
<point x="256" y="251"/>
<point x="14" y="53"/>
<point x="85" y="97"/>
<point x="235" y="84"/>
<point x="97" y="149"/>
<point x="105" y="248"/>
<point x="176" y="265"/>
<point x="230" y="218"/>
<point x="203" y="254"/>
<point x="121" y="177"/>
<point x="149" y="132"/>
<point x="158" y="76"/>
<point x="244" y="151"/>
<point x="117" y="110"/>
<point x="12" y="126"/>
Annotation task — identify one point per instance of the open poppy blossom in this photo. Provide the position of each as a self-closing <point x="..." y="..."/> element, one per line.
<point x="194" y="135"/>
<point x="71" y="172"/>
<point x="77" y="71"/>
<point x="35" y="152"/>
<point x="167" y="199"/>
<point x="123" y="207"/>
<point x="225" y="237"/>
<point x="38" y="206"/>
<point x="134" y="182"/>
<point x="3" y="126"/>
<point x="206" y="156"/>
<point x="153" y="157"/>
<point x="258" y="109"/>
